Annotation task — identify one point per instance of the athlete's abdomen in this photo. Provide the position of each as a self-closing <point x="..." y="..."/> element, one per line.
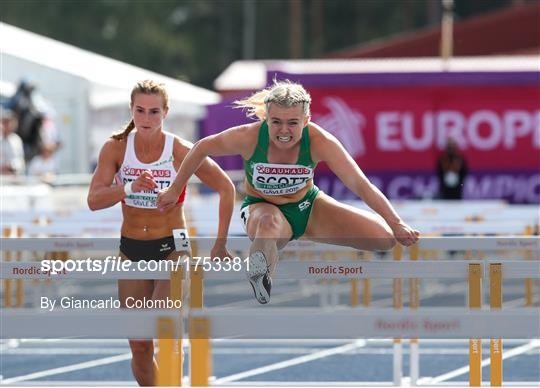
<point x="147" y="224"/>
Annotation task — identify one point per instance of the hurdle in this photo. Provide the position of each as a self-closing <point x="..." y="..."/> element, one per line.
<point x="118" y="324"/>
<point x="379" y="323"/>
<point x="519" y="269"/>
<point x="528" y="255"/>
<point x="165" y="325"/>
<point x="531" y="244"/>
<point x="397" y="296"/>
<point x="401" y="269"/>
<point x="354" y="324"/>
<point x="475" y="344"/>
<point x="413" y="269"/>
<point x="414" y="303"/>
<point x="498" y="271"/>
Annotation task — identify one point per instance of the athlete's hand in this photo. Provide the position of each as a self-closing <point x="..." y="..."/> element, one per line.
<point x="404" y="234"/>
<point x="144" y="182"/>
<point x="167" y="198"/>
<point x="219" y="250"/>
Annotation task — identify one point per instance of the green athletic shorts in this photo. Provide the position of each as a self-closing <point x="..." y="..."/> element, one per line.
<point x="297" y="213"/>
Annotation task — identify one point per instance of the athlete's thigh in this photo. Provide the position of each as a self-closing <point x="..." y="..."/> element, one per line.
<point x="336" y="223"/>
<point x="259" y="211"/>
<point x="162" y="287"/>
<point x="136" y="288"/>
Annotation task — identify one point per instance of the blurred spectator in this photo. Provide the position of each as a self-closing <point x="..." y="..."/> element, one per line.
<point x="44" y="164"/>
<point x="451" y="172"/>
<point x="11" y="145"/>
<point x="30" y="118"/>
<point x="49" y="134"/>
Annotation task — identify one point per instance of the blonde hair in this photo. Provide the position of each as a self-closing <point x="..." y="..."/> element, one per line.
<point x="283" y="93"/>
<point x="147" y="86"/>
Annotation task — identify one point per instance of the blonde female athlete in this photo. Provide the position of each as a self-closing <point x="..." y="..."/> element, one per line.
<point x="143" y="159"/>
<point x="280" y="153"/>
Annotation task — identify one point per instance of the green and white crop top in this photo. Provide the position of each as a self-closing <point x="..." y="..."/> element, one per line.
<point x="279" y="179"/>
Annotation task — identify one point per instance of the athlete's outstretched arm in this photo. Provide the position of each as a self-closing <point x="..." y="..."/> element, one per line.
<point x="228" y="142"/>
<point x="214" y="177"/>
<point x="325" y="147"/>
<point x="101" y="193"/>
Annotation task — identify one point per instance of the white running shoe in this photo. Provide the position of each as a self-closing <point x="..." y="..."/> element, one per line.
<point x="259" y="277"/>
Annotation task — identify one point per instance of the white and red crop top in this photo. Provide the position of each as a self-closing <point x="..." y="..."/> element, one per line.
<point x="162" y="169"/>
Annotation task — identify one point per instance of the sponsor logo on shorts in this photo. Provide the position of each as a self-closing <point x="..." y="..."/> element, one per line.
<point x="165" y="247"/>
<point x="304" y="205"/>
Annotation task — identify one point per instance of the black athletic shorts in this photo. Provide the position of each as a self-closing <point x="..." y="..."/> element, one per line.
<point x="146" y="250"/>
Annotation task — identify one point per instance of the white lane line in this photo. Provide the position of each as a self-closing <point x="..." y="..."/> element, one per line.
<point x="278" y="298"/>
<point x="308" y="341"/>
<point x="291" y="293"/>
<point x="61" y="351"/>
<point x="304" y="384"/>
<point x="465" y="369"/>
<point x="243" y="288"/>
<point x="288" y="293"/>
<point x="519" y="302"/>
<point x="291" y="362"/>
<point x="76" y="383"/>
<point x="72" y="341"/>
<point x="377" y="351"/>
<point x="68" y="368"/>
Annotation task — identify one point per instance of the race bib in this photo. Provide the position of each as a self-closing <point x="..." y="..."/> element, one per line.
<point x="181" y="240"/>
<point x="280" y="179"/>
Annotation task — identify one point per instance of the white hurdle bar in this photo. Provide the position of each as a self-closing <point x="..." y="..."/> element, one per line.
<point x="515" y="269"/>
<point x="312" y="323"/>
<point x="107" y="229"/>
<point x="86" y="323"/>
<point x="298" y="270"/>
<point x="33" y="270"/>
<point x="432" y="243"/>
<point x="275" y="323"/>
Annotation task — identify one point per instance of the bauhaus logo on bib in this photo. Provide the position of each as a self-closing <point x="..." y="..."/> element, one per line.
<point x="279" y="179"/>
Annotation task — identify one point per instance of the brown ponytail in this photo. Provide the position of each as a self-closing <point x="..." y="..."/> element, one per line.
<point x="123" y="134"/>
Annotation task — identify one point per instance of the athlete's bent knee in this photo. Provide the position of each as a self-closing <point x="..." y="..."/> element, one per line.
<point x="385" y="240"/>
<point x="388" y="242"/>
<point x="268" y="225"/>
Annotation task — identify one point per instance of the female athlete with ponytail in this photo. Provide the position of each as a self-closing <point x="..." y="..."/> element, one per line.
<point x="143" y="159"/>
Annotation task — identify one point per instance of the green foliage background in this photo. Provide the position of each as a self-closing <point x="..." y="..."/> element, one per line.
<point x="194" y="40"/>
